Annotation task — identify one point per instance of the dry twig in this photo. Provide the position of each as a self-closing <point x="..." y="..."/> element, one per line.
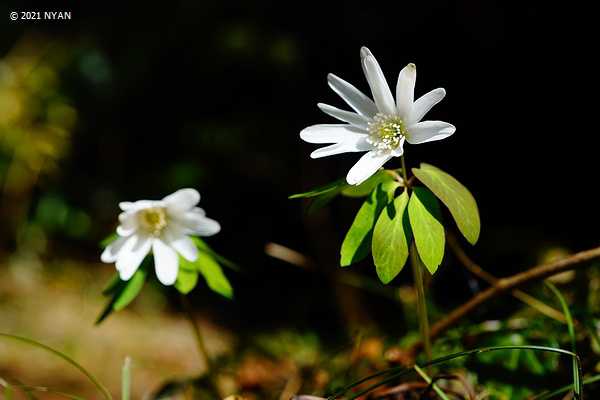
<point x="503" y="285"/>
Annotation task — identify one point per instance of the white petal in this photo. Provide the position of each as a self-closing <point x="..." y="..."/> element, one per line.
<point x="125" y="230"/>
<point x="424" y="104"/>
<point x="186" y="247"/>
<point x="198" y="210"/>
<point x="346" y="116"/>
<point x="129" y="223"/>
<point x="330" y="133"/>
<point x="197" y="224"/>
<point x="429" y="131"/>
<point x="166" y="262"/>
<point x="182" y="200"/>
<point x="110" y="253"/>
<point x="351" y="95"/>
<point x="405" y="90"/>
<point x="398" y="151"/>
<point x="175" y="236"/>
<point x="367" y="166"/>
<point x="379" y="87"/>
<point x="126" y="205"/>
<point x="132" y="255"/>
<point x="347" y="146"/>
<point x="365" y="52"/>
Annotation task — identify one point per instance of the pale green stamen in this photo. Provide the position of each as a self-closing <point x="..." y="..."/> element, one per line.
<point x="153" y="220"/>
<point x="386" y="132"/>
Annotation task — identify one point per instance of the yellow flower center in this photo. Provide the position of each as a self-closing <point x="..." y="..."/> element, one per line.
<point x="386" y="132"/>
<point x="153" y="220"/>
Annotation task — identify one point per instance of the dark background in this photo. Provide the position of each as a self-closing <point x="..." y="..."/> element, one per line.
<point x="212" y="95"/>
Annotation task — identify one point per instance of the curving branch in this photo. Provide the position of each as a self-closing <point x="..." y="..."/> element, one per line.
<point x="475" y="269"/>
<point x="503" y="285"/>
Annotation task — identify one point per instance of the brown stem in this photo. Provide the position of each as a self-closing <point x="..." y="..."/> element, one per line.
<point x="476" y="270"/>
<point x="505" y="284"/>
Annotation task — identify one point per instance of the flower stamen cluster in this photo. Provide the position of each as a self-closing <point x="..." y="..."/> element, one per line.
<point x="381" y="126"/>
<point x="163" y="228"/>
<point x="386" y="132"/>
<point x="153" y="220"/>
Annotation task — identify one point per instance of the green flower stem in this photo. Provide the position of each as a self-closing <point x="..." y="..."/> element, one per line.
<point x="105" y="393"/>
<point x="126" y="379"/>
<point x="417" y="267"/>
<point x="571" y="327"/>
<point x="429" y="381"/>
<point x="404" y="170"/>
<point x="393" y="374"/>
<point x="187" y="308"/>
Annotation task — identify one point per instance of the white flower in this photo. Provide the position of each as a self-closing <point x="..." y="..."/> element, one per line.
<point x="378" y="127"/>
<point x="161" y="227"/>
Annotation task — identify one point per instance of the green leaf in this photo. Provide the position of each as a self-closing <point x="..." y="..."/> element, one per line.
<point x="367" y="186"/>
<point x="330" y="187"/>
<point x="390" y="239"/>
<point x="395" y="373"/>
<point x="108" y="240"/>
<point x="212" y="272"/>
<point x="202" y="246"/>
<point x="132" y="288"/>
<point x="322" y="195"/>
<point x="112" y="285"/>
<point x="357" y="242"/>
<point x="207" y="264"/>
<point x="122" y="292"/>
<point x="455" y="196"/>
<point x="63" y="356"/>
<point x="187" y="278"/>
<point x="320" y="201"/>
<point x="571" y="328"/>
<point x="424" y="214"/>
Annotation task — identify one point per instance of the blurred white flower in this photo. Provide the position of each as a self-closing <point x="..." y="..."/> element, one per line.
<point x="378" y="127"/>
<point x="161" y="227"/>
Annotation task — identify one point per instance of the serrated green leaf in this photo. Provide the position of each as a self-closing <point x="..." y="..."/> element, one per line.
<point x="333" y="186"/>
<point x="212" y="272"/>
<point x="391" y="237"/>
<point x="428" y="231"/>
<point x="187" y="277"/>
<point x="357" y="242"/>
<point x="455" y="196"/>
<point x="367" y="186"/>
